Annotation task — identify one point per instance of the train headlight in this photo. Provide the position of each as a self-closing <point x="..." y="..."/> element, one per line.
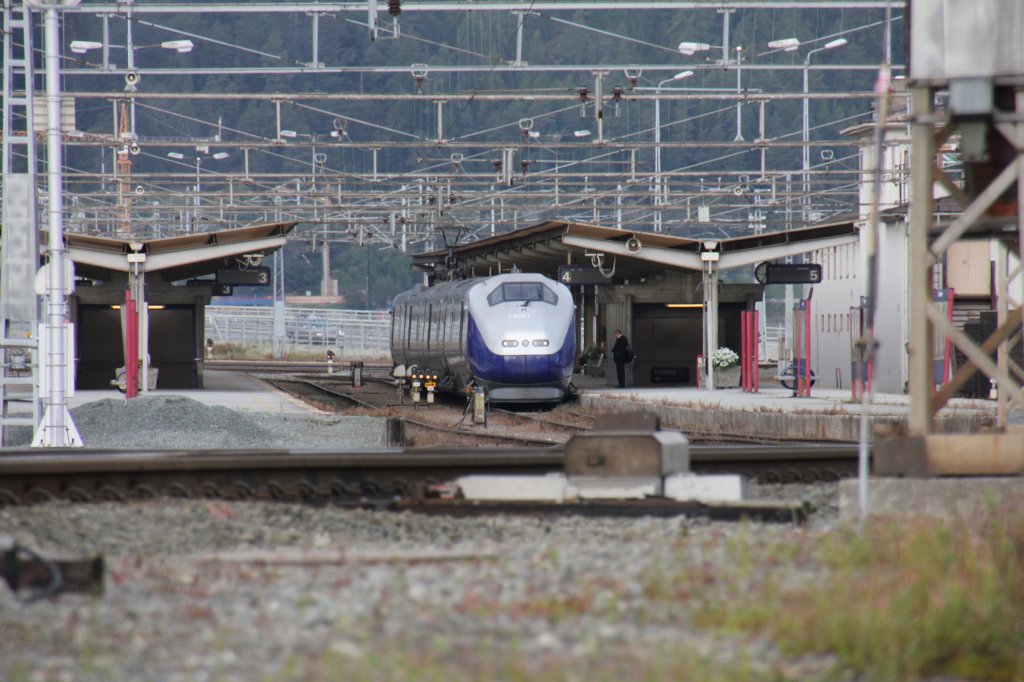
<point x="526" y="342"/>
<point x="541" y="342"/>
<point x="510" y="343"/>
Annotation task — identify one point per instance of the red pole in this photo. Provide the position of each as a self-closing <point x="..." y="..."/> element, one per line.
<point x="807" y="346"/>
<point x="946" y="358"/>
<point x="131" y="355"/>
<point x="757" y="350"/>
<point x="744" y="372"/>
<point x="751" y="346"/>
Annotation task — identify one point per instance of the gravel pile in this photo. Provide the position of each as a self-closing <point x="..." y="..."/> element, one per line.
<point x="176" y="422"/>
<point x="214" y="590"/>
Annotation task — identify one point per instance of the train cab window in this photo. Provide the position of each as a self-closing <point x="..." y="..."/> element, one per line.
<point x="526" y="292"/>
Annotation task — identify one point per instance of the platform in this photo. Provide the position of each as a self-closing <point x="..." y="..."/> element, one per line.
<point x="223" y="388"/>
<point x="774" y="413"/>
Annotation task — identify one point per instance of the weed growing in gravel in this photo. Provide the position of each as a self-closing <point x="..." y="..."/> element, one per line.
<point x="903" y="599"/>
<point x="490" y="658"/>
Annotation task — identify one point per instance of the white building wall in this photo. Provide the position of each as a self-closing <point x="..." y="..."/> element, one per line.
<point x="836" y="303"/>
<point x="833" y="330"/>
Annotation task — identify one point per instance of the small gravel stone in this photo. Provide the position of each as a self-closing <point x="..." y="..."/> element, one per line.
<point x="180" y="423"/>
<point x="564" y="588"/>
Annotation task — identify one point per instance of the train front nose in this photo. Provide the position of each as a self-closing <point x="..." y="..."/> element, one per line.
<point x="549" y="360"/>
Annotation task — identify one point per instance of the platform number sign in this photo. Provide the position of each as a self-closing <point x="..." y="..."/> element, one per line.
<point x="779" y="273"/>
<point x="581" y="274"/>
<point x="251" y="277"/>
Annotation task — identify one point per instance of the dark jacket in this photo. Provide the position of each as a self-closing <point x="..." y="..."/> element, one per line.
<point x="620" y="351"/>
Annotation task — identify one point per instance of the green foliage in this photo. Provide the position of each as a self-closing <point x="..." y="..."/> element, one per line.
<point x="589" y="354"/>
<point x="369" y="277"/>
<point x="903" y="600"/>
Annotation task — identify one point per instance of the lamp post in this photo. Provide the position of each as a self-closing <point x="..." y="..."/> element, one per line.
<point x="178" y="156"/>
<point x="85" y="46"/>
<point x="806" y="160"/>
<point x="132" y="77"/>
<point x="659" y="185"/>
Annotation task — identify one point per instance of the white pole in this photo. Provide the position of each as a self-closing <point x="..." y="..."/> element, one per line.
<point x="805" y="149"/>
<point x="57" y="428"/>
<point x="657" y="159"/>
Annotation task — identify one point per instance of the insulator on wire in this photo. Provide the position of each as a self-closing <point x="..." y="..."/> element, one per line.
<point x="394" y="7"/>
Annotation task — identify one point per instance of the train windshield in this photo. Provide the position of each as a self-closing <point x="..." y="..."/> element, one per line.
<point x="512" y="292"/>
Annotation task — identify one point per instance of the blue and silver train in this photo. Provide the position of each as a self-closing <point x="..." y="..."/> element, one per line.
<point x="512" y="334"/>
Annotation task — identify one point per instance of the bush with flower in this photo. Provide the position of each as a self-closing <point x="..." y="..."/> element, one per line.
<point x="724" y="358"/>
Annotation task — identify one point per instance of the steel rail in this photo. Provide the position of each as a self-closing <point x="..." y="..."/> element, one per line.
<point x="77" y="461"/>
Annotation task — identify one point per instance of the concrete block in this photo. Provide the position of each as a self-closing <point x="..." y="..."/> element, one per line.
<point x="627" y="453"/>
<point x="706" y="487"/>
<point x="547" y="488"/>
<point x="939" y="497"/>
<point x="613" y="488"/>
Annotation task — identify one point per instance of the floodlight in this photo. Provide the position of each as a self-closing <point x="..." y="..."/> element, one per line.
<point x="787" y="44"/>
<point x="83" y="46"/>
<point x="177" y="45"/>
<point x="688" y="48"/>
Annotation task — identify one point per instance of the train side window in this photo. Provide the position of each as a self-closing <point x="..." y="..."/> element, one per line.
<point x="462" y="324"/>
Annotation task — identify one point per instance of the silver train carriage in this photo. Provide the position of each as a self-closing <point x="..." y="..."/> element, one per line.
<point x="512" y="334"/>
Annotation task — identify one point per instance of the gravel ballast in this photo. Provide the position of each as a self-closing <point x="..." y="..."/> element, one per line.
<point x="214" y="590"/>
<point x="180" y="423"/>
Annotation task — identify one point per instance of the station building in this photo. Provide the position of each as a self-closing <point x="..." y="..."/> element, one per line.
<point x="663" y="292"/>
<point x="171" y="281"/>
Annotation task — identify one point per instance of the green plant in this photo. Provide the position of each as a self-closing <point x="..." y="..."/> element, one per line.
<point x="589" y="354"/>
<point x="899" y="601"/>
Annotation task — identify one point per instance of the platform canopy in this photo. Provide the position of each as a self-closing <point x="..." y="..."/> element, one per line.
<point x="174" y="258"/>
<point x="544" y="247"/>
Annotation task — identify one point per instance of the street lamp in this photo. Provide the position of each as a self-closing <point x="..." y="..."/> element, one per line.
<point x="806" y="165"/>
<point x="180" y="46"/>
<point x="132" y="77"/>
<point x="689" y="49"/>
<point x="178" y="156"/>
<point x="805" y="133"/>
<point x="658" y="184"/>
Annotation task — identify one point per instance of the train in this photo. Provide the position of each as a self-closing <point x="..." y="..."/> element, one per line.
<point x="513" y="335"/>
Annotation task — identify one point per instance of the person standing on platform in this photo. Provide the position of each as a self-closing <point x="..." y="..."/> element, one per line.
<point x="621" y="354"/>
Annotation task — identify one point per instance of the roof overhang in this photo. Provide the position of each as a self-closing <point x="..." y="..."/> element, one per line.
<point x="175" y="258"/>
<point x="544" y="247"/>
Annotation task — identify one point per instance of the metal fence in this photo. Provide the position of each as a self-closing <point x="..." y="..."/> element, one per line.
<point x="349" y="333"/>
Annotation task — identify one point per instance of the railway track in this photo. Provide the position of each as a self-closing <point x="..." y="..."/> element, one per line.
<point x="344" y="477"/>
<point x="443" y="426"/>
<point x="341" y="368"/>
<point x="398" y="480"/>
